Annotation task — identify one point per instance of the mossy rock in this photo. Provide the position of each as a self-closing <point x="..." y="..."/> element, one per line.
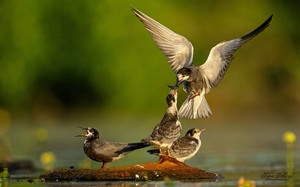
<point x="166" y="167"/>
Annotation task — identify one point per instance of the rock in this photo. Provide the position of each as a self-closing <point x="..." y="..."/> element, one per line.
<point x="166" y="167"/>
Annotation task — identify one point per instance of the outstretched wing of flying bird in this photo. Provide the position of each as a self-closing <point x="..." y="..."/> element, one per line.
<point x="178" y="50"/>
<point x="221" y="55"/>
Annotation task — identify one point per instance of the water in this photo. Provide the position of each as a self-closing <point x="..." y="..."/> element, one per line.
<point x="232" y="175"/>
<point x="246" y="149"/>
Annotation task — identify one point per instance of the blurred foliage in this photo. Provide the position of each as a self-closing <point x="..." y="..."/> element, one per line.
<point x="4" y="174"/>
<point x="58" y="55"/>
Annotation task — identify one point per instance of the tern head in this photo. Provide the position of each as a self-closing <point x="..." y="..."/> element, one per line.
<point x="90" y="133"/>
<point x="194" y="132"/>
<point x="172" y="97"/>
<point x="183" y="74"/>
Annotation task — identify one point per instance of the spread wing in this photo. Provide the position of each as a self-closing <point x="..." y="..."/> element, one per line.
<point x="221" y="55"/>
<point x="178" y="50"/>
<point x="184" y="146"/>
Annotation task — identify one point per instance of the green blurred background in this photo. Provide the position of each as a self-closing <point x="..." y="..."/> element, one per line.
<point x="67" y="63"/>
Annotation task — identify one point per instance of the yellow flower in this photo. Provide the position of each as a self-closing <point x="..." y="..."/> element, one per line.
<point x="289" y="137"/>
<point x="47" y="157"/>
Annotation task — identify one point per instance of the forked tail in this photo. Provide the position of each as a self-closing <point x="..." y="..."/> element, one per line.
<point x="195" y="108"/>
<point x="153" y="151"/>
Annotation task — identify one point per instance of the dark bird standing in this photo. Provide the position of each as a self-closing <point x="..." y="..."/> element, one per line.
<point x="197" y="81"/>
<point x="169" y="129"/>
<point x="185" y="147"/>
<point x="104" y="151"/>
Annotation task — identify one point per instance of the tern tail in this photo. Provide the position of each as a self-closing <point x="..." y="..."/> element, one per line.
<point x="153" y="151"/>
<point x="132" y="146"/>
<point x="195" y="108"/>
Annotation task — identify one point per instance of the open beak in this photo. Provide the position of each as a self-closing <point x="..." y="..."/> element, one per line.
<point x="174" y="91"/>
<point x="82" y="135"/>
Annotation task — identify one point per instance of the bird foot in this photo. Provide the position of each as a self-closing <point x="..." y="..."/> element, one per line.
<point x="192" y="96"/>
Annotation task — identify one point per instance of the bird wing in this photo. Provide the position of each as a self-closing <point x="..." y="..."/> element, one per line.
<point x="170" y="129"/>
<point x="185" y="146"/>
<point x="178" y="50"/>
<point x="221" y="55"/>
<point x="109" y="149"/>
<point x="154" y="135"/>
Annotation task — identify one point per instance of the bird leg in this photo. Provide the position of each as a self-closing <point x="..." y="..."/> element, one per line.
<point x="168" y="151"/>
<point x="193" y="95"/>
<point x="160" y="151"/>
<point x="164" y="151"/>
<point x="103" y="165"/>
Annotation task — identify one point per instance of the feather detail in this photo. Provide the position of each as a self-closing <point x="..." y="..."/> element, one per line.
<point x="195" y="108"/>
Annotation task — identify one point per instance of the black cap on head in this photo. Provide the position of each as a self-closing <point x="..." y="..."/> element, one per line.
<point x="93" y="131"/>
<point x="170" y="99"/>
<point x="185" y="71"/>
<point x="192" y="131"/>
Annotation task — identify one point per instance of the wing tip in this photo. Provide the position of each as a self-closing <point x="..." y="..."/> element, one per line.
<point x="134" y="10"/>
<point x="258" y="30"/>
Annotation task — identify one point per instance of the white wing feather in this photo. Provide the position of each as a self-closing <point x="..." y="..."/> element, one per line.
<point x="177" y="49"/>
<point x="221" y="55"/>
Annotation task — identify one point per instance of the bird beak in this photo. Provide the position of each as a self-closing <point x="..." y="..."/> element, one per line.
<point x="173" y="87"/>
<point x="202" y="130"/>
<point x="82" y="135"/>
<point x="174" y="90"/>
<point x="179" y="82"/>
